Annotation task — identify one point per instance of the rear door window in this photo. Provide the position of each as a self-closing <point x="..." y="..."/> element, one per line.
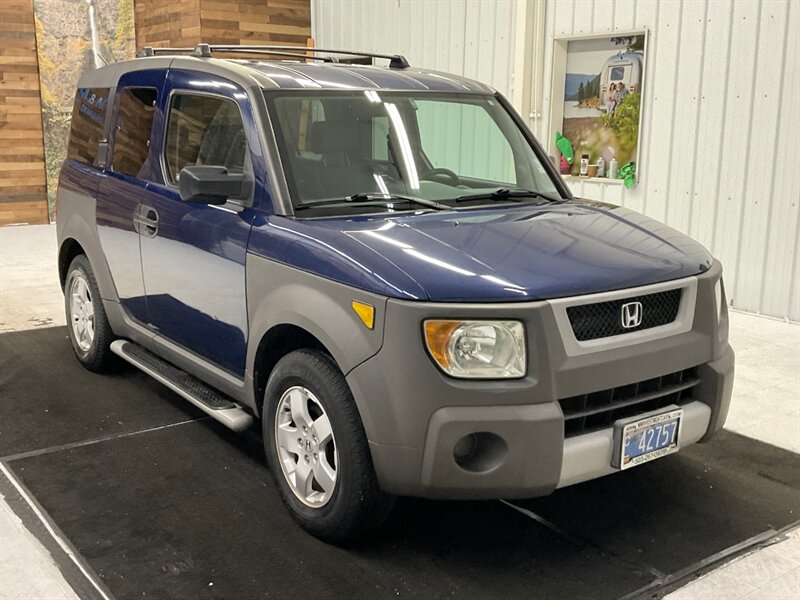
<point x="134" y="127"/>
<point x="88" y="123"/>
<point x="204" y="130"/>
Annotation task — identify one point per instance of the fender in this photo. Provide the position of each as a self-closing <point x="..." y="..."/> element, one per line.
<point x="278" y="294"/>
<point x="80" y="225"/>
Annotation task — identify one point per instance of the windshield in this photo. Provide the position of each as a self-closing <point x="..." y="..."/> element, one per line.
<point x="348" y="152"/>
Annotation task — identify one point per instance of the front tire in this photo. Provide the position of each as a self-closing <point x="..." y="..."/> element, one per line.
<point x="87" y="323"/>
<point x="317" y="449"/>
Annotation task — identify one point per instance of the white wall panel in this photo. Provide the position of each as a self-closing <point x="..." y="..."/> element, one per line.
<point x="474" y="38"/>
<point x="719" y="157"/>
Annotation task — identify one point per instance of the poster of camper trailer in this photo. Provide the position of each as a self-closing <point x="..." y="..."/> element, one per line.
<point x="602" y="98"/>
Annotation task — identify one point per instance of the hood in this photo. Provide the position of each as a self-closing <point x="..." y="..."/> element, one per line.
<point x="504" y="254"/>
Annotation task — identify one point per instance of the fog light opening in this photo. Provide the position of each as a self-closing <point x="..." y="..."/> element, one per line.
<point x="480" y="452"/>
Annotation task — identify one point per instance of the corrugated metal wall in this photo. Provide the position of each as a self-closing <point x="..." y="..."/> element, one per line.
<point x="720" y="131"/>
<point x="474" y="38"/>
<point x="721" y="113"/>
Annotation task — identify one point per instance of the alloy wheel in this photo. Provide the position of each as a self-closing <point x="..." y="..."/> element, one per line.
<point x="81" y="313"/>
<point x="306" y="446"/>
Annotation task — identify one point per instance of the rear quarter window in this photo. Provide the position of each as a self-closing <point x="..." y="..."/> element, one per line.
<point x="88" y="120"/>
<point x="134" y="126"/>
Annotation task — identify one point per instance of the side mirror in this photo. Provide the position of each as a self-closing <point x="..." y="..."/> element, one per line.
<point x="206" y="184"/>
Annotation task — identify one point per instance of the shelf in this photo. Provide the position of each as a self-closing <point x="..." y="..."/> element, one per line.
<point x="606" y="180"/>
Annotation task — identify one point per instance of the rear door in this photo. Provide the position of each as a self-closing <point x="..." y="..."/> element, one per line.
<point x="193" y="257"/>
<point x="130" y="167"/>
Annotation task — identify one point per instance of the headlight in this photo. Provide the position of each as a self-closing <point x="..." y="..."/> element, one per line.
<point x="477" y="349"/>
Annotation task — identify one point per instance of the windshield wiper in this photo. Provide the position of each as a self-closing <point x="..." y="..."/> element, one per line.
<point x="365" y="197"/>
<point x="515" y="195"/>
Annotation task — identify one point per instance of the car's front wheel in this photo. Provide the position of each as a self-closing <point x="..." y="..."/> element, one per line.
<point x="87" y="324"/>
<point x="317" y="449"/>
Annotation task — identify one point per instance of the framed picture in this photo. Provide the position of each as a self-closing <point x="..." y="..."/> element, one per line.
<point x="596" y="94"/>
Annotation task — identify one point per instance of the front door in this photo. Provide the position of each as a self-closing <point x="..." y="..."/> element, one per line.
<point x="193" y="255"/>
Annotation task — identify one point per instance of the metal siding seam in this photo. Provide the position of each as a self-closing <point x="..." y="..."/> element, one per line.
<point x="671" y="148"/>
<point x="775" y="150"/>
<point x="652" y="51"/>
<point x="738" y="279"/>
<point x="794" y="285"/>
<point x="720" y="146"/>
<point x="697" y="124"/>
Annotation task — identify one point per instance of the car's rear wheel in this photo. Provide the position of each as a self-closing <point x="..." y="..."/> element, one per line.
<point x="317" y="449"/>
<point x="87" y="324"/>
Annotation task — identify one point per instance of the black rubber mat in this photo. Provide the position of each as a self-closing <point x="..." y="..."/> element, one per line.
<point x="48" y="399"/>
<point x="190" y="511"/>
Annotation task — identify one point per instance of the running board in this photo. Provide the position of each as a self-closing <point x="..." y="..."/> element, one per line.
<point x="210" y="401"/>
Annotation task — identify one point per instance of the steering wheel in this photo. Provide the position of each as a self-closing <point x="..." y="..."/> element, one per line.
<point x="441" y="171"/>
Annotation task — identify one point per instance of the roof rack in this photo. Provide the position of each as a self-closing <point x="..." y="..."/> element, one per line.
<point x="396" y="61"/>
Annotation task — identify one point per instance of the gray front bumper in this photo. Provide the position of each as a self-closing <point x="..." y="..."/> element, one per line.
<point x="414" y="414"/>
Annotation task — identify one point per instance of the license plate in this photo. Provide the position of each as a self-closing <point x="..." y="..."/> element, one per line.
<point x="645" y="438"/>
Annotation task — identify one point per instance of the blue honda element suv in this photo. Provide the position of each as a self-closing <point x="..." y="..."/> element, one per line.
<point x="381" y="266"/>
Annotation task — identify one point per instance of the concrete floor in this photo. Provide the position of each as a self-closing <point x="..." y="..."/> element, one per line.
<point x="766" y="406"/>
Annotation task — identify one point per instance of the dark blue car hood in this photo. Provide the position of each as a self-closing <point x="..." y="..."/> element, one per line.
<point x="503" y="254"/>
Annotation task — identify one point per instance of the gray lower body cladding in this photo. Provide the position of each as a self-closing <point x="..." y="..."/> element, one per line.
<point x="414" y="415"/>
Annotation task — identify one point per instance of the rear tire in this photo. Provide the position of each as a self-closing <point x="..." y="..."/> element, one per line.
<point x="87" y="323"/>
<point x="317" y="449"/>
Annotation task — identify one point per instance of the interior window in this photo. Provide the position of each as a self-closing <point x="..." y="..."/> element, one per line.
<point x="380" y="138"/>
<point x="463" y="138"/>
<point x="88" y="119"/>
<point x="204" y="130"/>
<point x="135" y="109"/>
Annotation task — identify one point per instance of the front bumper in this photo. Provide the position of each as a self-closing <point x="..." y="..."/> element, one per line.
<point x="415" y="416"/>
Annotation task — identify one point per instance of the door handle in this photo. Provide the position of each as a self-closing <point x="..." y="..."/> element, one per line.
<point x="146" y="218"/>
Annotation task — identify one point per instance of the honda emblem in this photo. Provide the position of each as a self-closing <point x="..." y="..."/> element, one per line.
<point x="631" y="315"/>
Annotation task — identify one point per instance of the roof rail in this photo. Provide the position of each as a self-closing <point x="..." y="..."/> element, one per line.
<point x="396" y="61"/>
<point x="201" y="51"/>
<point x="152" y="51"/>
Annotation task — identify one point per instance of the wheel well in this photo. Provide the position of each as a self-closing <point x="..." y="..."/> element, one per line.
<point x="277" y="343"/>
<point x="69" y="250"/>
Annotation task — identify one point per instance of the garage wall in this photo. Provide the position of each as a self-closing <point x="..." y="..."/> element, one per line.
<point x="188" y="22"/>
<point x="474" y="38"/>
<point x="23" y="192"/>
<point x="720" y="125"/>
<point x="719" y="136"/>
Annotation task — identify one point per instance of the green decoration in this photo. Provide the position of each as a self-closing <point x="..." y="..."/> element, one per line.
<point x="628" y="174"/>
<point x="565" y="147"/>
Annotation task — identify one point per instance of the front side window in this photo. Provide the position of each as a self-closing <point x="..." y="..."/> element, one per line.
<point x="88" y="121"/>
<point x="431" y="146"/>
<point x="134" y="126"/>
<point x="204" y="130"/>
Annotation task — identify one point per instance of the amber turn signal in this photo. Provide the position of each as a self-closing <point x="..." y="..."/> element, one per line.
<point x="365" y="312"/>
<point x="437" y="336"/>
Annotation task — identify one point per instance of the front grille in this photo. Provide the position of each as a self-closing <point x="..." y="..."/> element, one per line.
<point x="598" y="410"/>
<point x="604" y="319"/>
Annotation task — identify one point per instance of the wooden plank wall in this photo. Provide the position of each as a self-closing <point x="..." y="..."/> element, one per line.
<point x="23" y="190"/>
<point x="159" y="23"/>
<point x="188" y="22"/>
<point x="255" y="21"/>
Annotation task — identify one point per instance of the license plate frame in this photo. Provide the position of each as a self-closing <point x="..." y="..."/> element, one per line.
<point x="630" y="431"/>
